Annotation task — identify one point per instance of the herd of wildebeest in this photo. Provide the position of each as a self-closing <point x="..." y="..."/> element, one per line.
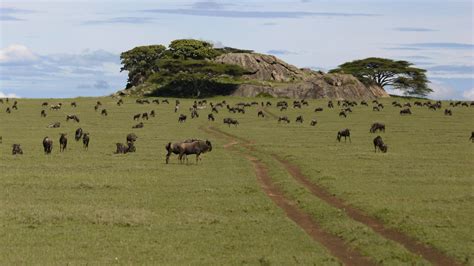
<point x="197" y="146"/>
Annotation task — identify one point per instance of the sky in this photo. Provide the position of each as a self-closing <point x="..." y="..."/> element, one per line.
<point x="72" y="48"/>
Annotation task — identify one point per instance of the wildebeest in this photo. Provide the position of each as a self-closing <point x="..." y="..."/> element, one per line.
<point x="313" y="122"/>
<point x="380" y="106"/>
<point x="157" y="101"/>
<point x="62" y="142"/>
<point x="73" y="117"/>
<point x="448" y="112"/>
<point x="136" y="117"/>
<point x="121" y="148"/>
<point x="284" y="119"/>
<point x="54" y="125"/>
<point x="406" y="111"/>
<point x="330" y="104"/>
<point x="78" y="134"/>
<point x="342" y="113"/>
<point x="96" y="107"/>
<point x="210" y="117"/>
<point x="231" y="121"/>
<point x="165" y="101"/>
<point x="119" y="102"/>
<point x="364" y="103"/>
<point x="47" y="145"/>
<point x="74" y="104"/>
<point x="8" y="111"/>
<point x="132" y="137"/>
<point x="346" y="133"/>
<point x="299" y="119"/>
<point x="139" y="125"/>
<point x="85" y="141"/>
<point x="375" y="108"/>
<point x="378" y="143"/>
<point x="44" y="104"/>
<point x="472" y="136"/>
<point x="194" y="114"/>
<point x="145" y="116"/>
<point x="104" y="112"/>
<point x="152" y="113"/>
<point x="188" y="147"/>
<point x="319" y="109"/>
<point x="55" y="107"/>
<point x="182" y="118"/>
<point x="348" y="110"/>
<point x="99" y="103"/>
<point x="43" y="113"/>
<point x="377" y="126"/>
<point x="16" y="149"/>
<point x="260" y="114"/>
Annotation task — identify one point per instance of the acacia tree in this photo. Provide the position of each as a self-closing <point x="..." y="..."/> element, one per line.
<point x="140" y="62"/>
<point x="385" y="73"/>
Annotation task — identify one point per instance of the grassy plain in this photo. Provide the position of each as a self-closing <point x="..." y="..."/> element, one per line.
<point x="95" y="206"/>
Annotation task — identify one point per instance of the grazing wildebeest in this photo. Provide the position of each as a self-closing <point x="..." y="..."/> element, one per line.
<point x="121" y="148"/>
<point x="313" y="122"/>
<point x="260" y="114"/>
<point x="119" y="102"/>
<point x="319" y="109"/>
<point x="268" y="104"/>
<point x="73" y="117"/>
<point x="136" y="117"/>
<point x="182" y="118"/>
<point x="99" y="103"/>
<point x="375" y="108"/>
<point x="465" y="104"/>
<point x="145" y="116"/>
<point x="364" y="103"/>
<point x="378" y="143"/>
<point x="210" y="117"/>
<point x="74" y="104"/>
<point x="299" y="119"/>
<point x="152" y="113"/>
<point x="448" y="112"/>
<point x="157" y="101"/>
<point x="165" y="101"/>
<point x="54" y="125"/>
<point x="85" y="141"/>
<point x="472" y="136"/>
<point x="397" y="105"/>
<point x="62" y="142"/>
<point x="8" y="110"/>
<point x="406" y="111"/>
<point x="349" y="110"/>
<point x="342" y="113"/>
<point x="418" y="103"/>
<point x="131" y="137"/>
<point x="43" y="113"/>
<point x="231" y="121"/>
<point x="47" y="145"/>
<point x="377" y="126"/>
<point x="283" y="118"/>
<point x="139" y="125"/>
<point x="346" y="133"/>
<point x="104" y="112"/>
<point x="330" y="104"/>
<point x="44" y="104"/>
<point x="194" y="114"/>
<point x="407" y="105"/>
<point x="214" y="109"/>
<point x="16" y="149"/>
<point x="78" y="134"/>
<point x="380" y="106"/>
<point x="283" y="108"/>
<point x="14" y="107"/>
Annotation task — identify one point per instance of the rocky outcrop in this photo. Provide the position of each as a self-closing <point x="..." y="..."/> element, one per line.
<point x="279" y="79"/>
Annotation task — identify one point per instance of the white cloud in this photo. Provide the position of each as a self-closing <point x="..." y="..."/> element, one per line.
<point x="17" y="53"/>
<point x="441" y="92"/>
<point x="8" y="95"/>
<point x="469" y="94"/>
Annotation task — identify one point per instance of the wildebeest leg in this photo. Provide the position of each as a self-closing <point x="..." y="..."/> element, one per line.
<point x="168" y="157"/>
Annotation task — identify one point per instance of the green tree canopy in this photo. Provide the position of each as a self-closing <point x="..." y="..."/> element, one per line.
<point x="385" y="73"/>
<point x="192" y="49"/>
<point x="140" y="62"/>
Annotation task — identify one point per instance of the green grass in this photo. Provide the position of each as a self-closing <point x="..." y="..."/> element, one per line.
<point x="95" y="206"/>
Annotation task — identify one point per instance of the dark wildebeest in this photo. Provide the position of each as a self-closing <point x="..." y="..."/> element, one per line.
<point x="157" y="101"/>
<point x="448" y="112"/>
<point x="231" y="121"/>
<point x="346" y="133"/>
<point x="165" y="101"/>
<point x="319" y="109"/>
<point x="78" y="134"/>
<point x="47" y="145"/>
<point x="119" y="102"/>
<point x="380" y="106"/>
<point x="54" y="125"/>
<point x="96" y="107"/>
<point x="73" y="117"/>
<point x="299" y="119"/>
<point x="364" y="103"/>
<point x="283" y="118"/>
<point x="472" y="136"/>
<point x="378" y="143"/>
<point x="406" y="111"/>
<point x="283" y="108"/>
<point x="8" y="110"/>
<point x="313" y="122"/>
<point x="195" y="147"/>
<point x="152" y="113"/>
<point x="194" y="114"/>
<point x="131" y="137"/>
<point x="375" y="108"/>
<point x="104" y="112"/>
<point x="145" y="116"/>
<point x="377" y="126"/>
<point x="397" y="105"/>
<point x="342" y="113"/>
<point x="62" y="142"/>
<point x="99" y="103"/>
<point x="85" y="141"/>
<point x="348" y="110"/>
<point x="43" y="113"/>
<point x="139" y="125"/>
<point x="121" y="149"/>
<point x="182" y="118"/>
<point x="44" y="104"/>
<point x="210" y="117"/>
<point x="260" y="114"/>
<point x="174" y="148"/>
<point x="74" y="104"/>
<point x="330" y="104"/>
<point x="136" y="117"/>
<point x="16" y="149"/>
<point x="214" y="109"/>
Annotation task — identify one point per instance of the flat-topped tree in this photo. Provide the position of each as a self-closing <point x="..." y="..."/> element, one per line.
<point x="385" y="73"/>
<point x="140" y="62"/>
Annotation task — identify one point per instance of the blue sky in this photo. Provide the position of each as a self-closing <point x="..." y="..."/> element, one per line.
<point x="71" y="48"/>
